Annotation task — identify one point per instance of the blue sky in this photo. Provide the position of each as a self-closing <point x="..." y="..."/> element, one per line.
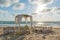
<point x="45" y="10"/>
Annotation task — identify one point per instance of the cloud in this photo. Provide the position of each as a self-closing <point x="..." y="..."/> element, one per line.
<point x="3" y="11"/>
<point x="53" y="9"/>
<point x="40" y="1"/>
<point x="6" y="16"/>
<point x="40" y="4"/>
<point x="45" y="10"/>
<point x="19" y="6"/>
<point x="48" y="14"/>
<point x="15" y="1"/>
<point x="7" y="3"/>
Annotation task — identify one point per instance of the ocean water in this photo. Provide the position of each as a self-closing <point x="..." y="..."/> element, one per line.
<point x="12" y="23"/>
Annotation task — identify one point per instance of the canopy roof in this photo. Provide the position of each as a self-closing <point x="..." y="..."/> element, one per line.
<point x="24" y="15"/>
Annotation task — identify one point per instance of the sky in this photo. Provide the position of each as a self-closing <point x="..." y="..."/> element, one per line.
<point x="41" y="10"/>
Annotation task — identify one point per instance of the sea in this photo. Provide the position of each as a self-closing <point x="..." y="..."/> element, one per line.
<point x="47" y="23"/>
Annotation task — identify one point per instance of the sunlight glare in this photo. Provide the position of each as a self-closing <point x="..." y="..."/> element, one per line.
<point x="39" y="8"/>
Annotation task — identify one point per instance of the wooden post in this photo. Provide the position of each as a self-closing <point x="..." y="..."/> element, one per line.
<point x="26" y="20"/>
<point x="31" y="25"/>
<point x="31" y="20"/>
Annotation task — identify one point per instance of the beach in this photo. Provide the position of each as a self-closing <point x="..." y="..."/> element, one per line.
<point x="38" y="33"/>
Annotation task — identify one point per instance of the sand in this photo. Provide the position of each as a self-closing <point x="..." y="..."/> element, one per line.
<point x="37" y="35"/>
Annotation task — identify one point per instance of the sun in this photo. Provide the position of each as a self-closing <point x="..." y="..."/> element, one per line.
<point x="39" y="8"/>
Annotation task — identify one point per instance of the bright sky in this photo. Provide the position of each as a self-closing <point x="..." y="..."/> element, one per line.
<point x="42" y="10"/>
